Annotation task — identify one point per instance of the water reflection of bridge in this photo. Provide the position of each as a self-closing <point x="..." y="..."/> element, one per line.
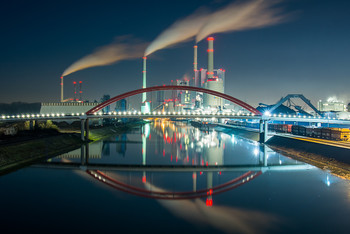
<point x="206" y="151"/>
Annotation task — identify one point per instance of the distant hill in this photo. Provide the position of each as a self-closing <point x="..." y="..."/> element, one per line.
<point x="19" y="108"/>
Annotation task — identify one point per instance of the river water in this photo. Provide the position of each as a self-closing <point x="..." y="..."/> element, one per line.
<point x="168" y="177"/>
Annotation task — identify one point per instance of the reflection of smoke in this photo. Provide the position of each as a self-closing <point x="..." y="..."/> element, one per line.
<point x="180" y="31"/>
<point x="226" y="219"/>
<point x="234" y="17"/>
<point x="109" y="54"/>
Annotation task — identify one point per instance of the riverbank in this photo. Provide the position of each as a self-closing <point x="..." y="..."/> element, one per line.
<point x="20" y="152"/>
<point x="333" y="159"/>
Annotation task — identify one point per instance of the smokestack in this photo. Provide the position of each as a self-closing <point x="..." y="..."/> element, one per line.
<point x="75" y="90"/>
<point x="210" y="57"/>
<point x="195" y="68"/>
<point x="144" y="78"/>
<point x="80" y="91"/>
<point x="61" y="88"/>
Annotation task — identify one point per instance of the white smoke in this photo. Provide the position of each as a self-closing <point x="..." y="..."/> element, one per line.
<point x="234" y="17"/>
<point x="123" y="48"/>
<point x="180" y="31"/>
<point x="242" y="16"/>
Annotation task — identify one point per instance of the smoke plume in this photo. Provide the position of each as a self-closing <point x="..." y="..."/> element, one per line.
<point x="234" y="17"/>
<point x="180" y="31"/>
<point x="123" y="48"/>
<point x="242" y="16"/>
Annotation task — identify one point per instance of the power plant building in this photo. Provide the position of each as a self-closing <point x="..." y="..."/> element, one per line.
<point x="210" y="78"/>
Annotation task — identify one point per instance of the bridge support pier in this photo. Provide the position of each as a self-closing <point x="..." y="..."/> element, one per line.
<point x="263" y="130"/>
<point x="87" y="129"/>
<point x="31" y="124"/>
<point x="84" y="128"/>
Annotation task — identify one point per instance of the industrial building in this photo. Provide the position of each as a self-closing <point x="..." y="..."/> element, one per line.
<point x="210" y="78"/>
<point x="66" y="107"/>
<point x="332" y="104"/>
<point x="69" y="105"/>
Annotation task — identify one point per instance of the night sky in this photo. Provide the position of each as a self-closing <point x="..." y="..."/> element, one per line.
<point x="309" y="54"/>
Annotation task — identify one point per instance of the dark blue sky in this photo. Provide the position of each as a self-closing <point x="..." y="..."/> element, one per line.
<point x="309" y="54"/>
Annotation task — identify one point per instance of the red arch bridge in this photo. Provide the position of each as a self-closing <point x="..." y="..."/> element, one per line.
<point x="95" y="113"/>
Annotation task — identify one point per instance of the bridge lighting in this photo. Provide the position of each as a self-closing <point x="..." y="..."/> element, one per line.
<point x="267" y="113"/>
<point x="159" y="113"/>
<point x="3" y="117"/>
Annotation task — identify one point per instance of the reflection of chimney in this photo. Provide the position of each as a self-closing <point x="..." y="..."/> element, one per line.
<point x="210" y="57"/>
<point x="144" y="78"/>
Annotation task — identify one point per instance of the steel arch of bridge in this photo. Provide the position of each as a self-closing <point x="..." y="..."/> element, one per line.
<point x="173" y="87"/>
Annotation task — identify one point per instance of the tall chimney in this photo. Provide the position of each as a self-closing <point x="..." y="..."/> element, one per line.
<point x="75" y="90"/>
<point x="144" y="78"/>
<point x="61" y="88"/>
<point x="195" y="68"/>
<point x="210" y="57"/>
<point x="80" y="91"/>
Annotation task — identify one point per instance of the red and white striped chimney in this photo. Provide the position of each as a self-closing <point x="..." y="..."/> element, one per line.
<point x="210" y="57"/>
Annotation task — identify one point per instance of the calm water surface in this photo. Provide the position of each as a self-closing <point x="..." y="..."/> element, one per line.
<point x="174" y="179"/>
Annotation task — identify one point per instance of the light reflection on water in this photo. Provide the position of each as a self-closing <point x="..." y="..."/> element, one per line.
<point x="214" y="180"/>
